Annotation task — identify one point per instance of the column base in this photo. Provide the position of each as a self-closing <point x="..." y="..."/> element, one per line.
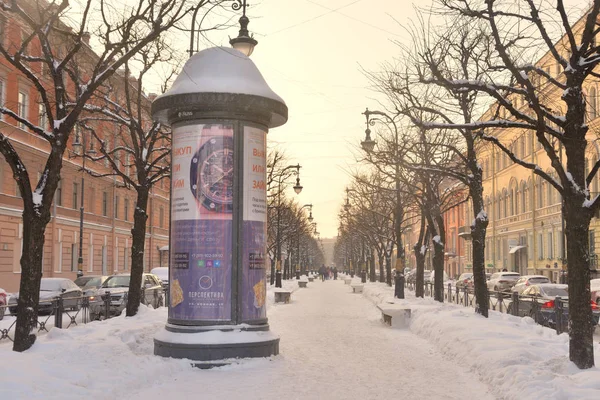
<point x="213" y="348"/>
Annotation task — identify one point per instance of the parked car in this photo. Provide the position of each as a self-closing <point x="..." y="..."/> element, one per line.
<point x="163" y="274"/>
<point x="527" y="280"/>
<point x="50" y="289"/>
<point x="90" y="281"/>
<point x="502" y="281"/>
<point x="464" y="279"/>
<point x="541" y="297"/>
<point x="3" y="301"/>
<point x="431" y="278"/>
<point x="595" y="290"/>
<point x="118" y="287"/>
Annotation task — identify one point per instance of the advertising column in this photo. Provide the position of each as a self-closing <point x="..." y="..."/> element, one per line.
<point x="201" y="224"/>
<point x="254" y="228"/>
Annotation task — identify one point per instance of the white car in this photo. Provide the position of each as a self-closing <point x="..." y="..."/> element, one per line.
<point x="527" y="280"/>
<point x="432" y="277"/>
<point x="502" y="281"/>
<point x="595" y="289"/>
<point x="163" y="274"/>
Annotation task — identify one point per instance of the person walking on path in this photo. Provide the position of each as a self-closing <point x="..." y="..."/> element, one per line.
<point x="322" y="271"/>
<point x="335" y="272"/>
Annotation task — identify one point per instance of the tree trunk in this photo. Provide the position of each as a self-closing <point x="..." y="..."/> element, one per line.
<point x="438" y="268"/>
<point x="372" y="276"/>
<point x="577" y="221"/>
<point x="420" y="261"/>
<point x="138" y="233"/>
<point x="34" y="229"/>
<point x="388" y="271"/>
<point x="381" y="267"/>
<point x="478" y="233"/>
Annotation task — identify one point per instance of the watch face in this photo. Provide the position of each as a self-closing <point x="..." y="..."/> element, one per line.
<point x="212" y="174"/>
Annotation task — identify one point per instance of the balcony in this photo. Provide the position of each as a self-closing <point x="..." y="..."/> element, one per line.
<point x="464" y="232"/>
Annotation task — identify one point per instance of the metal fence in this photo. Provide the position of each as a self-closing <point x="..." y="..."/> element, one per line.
<point x="88" y="309"/>
<point x="505" y="302"/>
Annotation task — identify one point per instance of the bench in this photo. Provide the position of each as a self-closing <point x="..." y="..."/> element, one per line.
<point x="282" y="297"/>
<point x="395" y="316"/>
<point x="357" y="288"/>
<point x="347" y="281"/>
<point x="302" y="284"/>
<point x="311" y="279"/>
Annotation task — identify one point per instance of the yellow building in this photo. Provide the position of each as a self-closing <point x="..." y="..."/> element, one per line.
<point x="525" y="229"/>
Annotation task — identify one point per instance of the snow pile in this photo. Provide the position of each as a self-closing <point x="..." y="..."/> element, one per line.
<point x="515" y="356"/>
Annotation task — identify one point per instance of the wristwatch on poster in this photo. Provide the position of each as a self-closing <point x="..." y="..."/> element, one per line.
<point x="211" y="174"/>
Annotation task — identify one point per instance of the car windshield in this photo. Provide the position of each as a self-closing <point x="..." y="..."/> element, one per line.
<point x="93" y="282"/>
<point x="116" y="281"/>
<point x="162" y="273"/>
<point x="510" y="276"/>
<point x="83" y="281"/>
<point x="555" y="291"/>
<point x="50" y="285"/>
<point x="539" y="280"/>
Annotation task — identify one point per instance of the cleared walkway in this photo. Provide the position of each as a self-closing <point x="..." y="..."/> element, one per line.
<point x="333" y="346"/>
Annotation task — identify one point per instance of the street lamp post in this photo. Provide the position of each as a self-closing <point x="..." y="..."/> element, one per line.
<point x="297" y="189"/>
<point x="83" y="148"/>
<point x="368" y="145"/>
<point x="347" y="207"/>
<point x="243" y="42"/>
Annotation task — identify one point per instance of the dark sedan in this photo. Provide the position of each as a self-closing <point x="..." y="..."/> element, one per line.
<point x="50" y="289"/>
<point x="538" y="302"/>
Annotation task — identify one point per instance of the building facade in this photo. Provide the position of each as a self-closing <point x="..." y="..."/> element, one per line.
<point x="108" y="206"/>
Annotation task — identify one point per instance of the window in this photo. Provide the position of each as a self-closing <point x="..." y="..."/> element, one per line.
<point x="540" y="246"/>
<point x="592" y="114"/>
<point x="2" y="29"/>
<point x="1" y="93"/>
<point x="550" y="245"/>
<point x="58" y="194"/>
<point x="161" y="216"/>
<point x="530" y="246"/>
<point x="75" y="194"/>
<point x="105" y="204"/>
<point x="592" y="244"/>
<point x="77" y="137"/>
<point x="92" y="200"/>
<point x="540" y="194"/>
<point x="126" y="209"/>
<point x="117" y="206"/>
<point x="23" y="106"/>
<point x="42" y="117"/>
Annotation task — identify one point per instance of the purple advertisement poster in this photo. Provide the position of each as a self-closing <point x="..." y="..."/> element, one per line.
<point x="254" y="226"/>
<point x="201" y="223"/>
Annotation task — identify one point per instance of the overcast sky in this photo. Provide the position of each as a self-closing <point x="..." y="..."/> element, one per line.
<point x="312" y="57"/>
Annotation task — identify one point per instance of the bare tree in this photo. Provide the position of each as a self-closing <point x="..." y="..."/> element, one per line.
<point x="140" y="155"/>
<point x="56" y="60"/>
<point x="522" y="91"/>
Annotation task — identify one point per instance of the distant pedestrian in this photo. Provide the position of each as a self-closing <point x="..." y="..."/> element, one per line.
<point x="335" y="272"/>
<point x="322" y="272"/>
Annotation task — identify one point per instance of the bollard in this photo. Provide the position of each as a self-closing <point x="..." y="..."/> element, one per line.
<point x="515" y="304"/>
<point x="57" y="305"/>
<point x="499" y="298"/>
<point x="558" y="314"/>
<point x="449" y="296"/>
<point x="106" y="298"/>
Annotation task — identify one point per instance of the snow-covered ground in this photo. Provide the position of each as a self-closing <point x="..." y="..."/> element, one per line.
<point x="333" y="346"/>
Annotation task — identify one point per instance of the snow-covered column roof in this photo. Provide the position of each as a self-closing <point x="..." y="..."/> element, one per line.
<point x="220" y="82"/>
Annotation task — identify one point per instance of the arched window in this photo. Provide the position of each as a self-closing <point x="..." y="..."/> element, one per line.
<point x="592" y="113"/>
<point x="517" y="200"/>
<point x="499" y="206"/>
<point x="504" y="203"/>
<point x="524" y="196"/>
<point x="511" y="201"/>
<point x="540" y="193"/>
<point x="550" y="194"/>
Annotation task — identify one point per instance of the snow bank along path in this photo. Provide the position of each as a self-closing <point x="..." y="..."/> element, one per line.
<point x="333" y="346"/>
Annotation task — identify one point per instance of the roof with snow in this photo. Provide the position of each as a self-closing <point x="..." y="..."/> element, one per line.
<point x="219" y="70"/>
